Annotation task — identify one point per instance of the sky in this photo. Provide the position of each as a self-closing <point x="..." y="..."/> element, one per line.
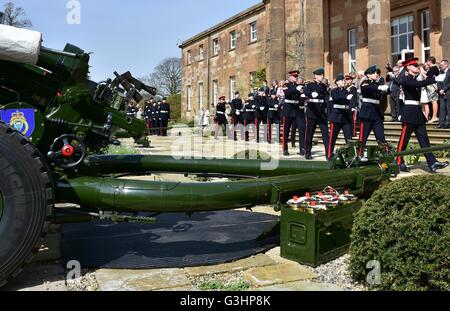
<point x="130" y="35"/>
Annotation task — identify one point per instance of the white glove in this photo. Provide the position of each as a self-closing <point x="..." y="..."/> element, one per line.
<point x="303" y="96"/>
<point x="238" y="113"/>
<point x="440" y="78"/>
<point x="349" y="97"/>
<point x="261" y="108"/>
<point x="299" y="88"/>
<point x="276" y="106"/>
<point x="383" y="88"/>
<point x="253" y="106"/>
<point x="315" y="94"/>
<point x="331" y="99"/>
<point x="354" y="109"/>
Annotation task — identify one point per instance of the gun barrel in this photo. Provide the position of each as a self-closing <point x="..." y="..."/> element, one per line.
<point x="60" y="53"/>
<point x="422" y="151"/>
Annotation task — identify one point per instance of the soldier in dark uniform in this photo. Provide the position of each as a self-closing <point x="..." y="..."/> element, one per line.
<point x="354" y="102"/>
<point x="293" y="112"/>
<point x="316" y="111"/>
<point x="220" y="117"/>
<point x="371" y="114"/>
<point x="412" y="116"/>
<point x="261" y="113"/>
<point x="155" y="118"/>
<point x="340" y="113"/>
<point x="148" y="115"/>
<point x="249" y="115"/>
<point x="164" y="116"/>
<point x="273" y="116"/>
<point x="237" y="107"/>
<point x="131" y="110"/>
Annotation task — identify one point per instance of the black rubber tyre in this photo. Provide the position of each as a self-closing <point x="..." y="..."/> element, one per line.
<point x="28" y="199"/>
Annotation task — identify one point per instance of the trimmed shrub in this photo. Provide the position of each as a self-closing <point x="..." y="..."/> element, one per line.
<point x="405" y="226"/>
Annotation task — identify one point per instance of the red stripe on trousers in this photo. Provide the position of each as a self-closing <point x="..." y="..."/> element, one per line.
<point x="361" y="136"/>
<point x="402" y="141"/>
<point x="331" y="139"/>
<point x="284" y="133"/>
<point x="306" y="134"/>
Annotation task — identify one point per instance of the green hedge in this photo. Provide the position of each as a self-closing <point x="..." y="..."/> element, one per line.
<point x="406" y="227"/>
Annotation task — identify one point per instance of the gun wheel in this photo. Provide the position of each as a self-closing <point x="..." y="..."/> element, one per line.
<point x="26" y="202"/>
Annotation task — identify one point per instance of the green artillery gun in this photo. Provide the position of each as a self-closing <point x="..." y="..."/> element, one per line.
<point x="53" y="126"/>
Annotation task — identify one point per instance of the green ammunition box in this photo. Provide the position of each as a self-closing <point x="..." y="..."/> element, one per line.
<point x="316" y="238"/>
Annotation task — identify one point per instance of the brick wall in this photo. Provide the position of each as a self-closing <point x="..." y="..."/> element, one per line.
<point x="339" y="16"/>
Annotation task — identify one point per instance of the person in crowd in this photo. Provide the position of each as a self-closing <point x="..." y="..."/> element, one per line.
<point x="237" y="106"/>
<point x="249" y="116"/>
<point x="261" y="114"/>
<point x="148" y="114"/>
<point x="340" y="116"/>
<point x="351" y="88"/>
<point x="412" y="116"/>
<point x="220" y="118"/>
<point x="395" y="91"/>
<point x="164" y="116"/>
<point x="432" y="91"/>
<point x="205" y="119"/>
<point x="444" y="96"/>
<point x="273" y="116"/>
<point x="371" y="114"/>
<point x="316" y="111"/>
<point x="131" y="110"/>
<point x="293" y="111"/>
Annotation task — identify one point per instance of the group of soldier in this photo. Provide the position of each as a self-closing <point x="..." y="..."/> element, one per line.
<point x="156" y="115"/>
<point x="306" y="106"/>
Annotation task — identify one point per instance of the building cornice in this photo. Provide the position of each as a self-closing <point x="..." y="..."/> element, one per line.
<point x="234" y="19"/>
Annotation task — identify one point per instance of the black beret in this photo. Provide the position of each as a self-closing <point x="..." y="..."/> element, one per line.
<point x="340" y="77"/>
<point x="372" y="69"/>
<point x="319" y="71"/>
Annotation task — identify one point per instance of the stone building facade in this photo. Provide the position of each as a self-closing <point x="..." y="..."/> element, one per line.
<point x="280" y="35"/>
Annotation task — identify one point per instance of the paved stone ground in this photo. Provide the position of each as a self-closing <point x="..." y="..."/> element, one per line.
<point x="261" y="272"/>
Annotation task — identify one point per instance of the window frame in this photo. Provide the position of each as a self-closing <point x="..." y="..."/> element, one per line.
<point x="216" y="46"/>
<point x="188" y="96"/>
<point x="253" y="32"/>
<point x="424" y="29"/>
<point x="201" y="52"/>
<point x="233" y="40"/>
<point x="396" y="36"/>
<point x="215" y="92"/>
<point x="232" y="86"/>
<point x="352" y="61"/>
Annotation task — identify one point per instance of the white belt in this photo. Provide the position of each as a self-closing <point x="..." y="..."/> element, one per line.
<point x="290" y="101"/>
<point x="412" y="102"/>
<point x="273" y="109"/>
<point x="249" y="110"/>
<point x="164" y="112"/>
<point x="220" y="112"/>
<point x="341" y="107"/>
<point x="320" y="101"/>
<point x="370" y="100"/>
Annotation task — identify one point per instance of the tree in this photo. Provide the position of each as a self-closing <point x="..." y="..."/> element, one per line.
<point x="166" y="77"/>
<point x="297" y="37"/>
<point x="15" y="16"/>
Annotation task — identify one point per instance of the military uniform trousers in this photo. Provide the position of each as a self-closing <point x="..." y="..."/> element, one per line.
<point x="420" y="130"/>
<point x="367" y="126"/>
<point x="273" y="125"/>
<point x="300" y="122"/>
<point x="311" y="125"/>
<point x="335" y="129"/>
